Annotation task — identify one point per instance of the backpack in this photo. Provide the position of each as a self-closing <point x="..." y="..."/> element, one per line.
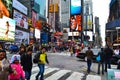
<point x="36" y="57"/>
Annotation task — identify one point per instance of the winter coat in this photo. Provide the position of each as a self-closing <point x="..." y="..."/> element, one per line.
<point x="89" y="54"/>
<point x="18" y="72"/>
<point x="26" y="62"/>
<point x="4" y="71"/>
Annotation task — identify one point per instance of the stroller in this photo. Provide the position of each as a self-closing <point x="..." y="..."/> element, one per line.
<point x="118" y="66"/>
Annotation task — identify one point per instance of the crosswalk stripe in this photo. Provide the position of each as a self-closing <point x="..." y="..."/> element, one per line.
<point x="47" y="71"/>
<point x="50" y="70"/>
<point x="93" y="77"/>
<point x="57" y="75"/>
<point x="75" y="76"/>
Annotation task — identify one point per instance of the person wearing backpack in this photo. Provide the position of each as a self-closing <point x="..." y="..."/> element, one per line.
<point x="41" y="63"/>
<point x="102" y="59"/>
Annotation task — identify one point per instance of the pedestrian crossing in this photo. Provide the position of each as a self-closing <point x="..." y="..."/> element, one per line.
<point x="62" y="74"/>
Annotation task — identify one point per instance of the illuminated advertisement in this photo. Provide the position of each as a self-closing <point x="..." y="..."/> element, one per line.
<point x="88" y="23"/>
<point x="75" y="7"/>
<point x="34" y="18"/>
<point x="21" y="20"/>
<point x="7" y="29"/>
<point x="21" y="37"/>
<point x="37" y="33"/>
<point x="6" y="7"/>
<point x="75" y="23"/>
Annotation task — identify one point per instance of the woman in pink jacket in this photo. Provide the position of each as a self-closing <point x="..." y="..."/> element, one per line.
<point x="18" y="72"/>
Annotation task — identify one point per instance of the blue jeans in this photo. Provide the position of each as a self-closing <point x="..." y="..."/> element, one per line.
<point x="100" y="63"/>
<point x="89" y="63"/>
<point x="28" y="74"/>
<point x="41" y="71"/>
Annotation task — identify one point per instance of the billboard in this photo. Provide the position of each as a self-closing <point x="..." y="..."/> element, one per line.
<point x="6" y="7"/>
<point x="21" y="19"/>
<point x="75" y="7"/>
<point x="7" y="29"/>
<point x="19" y="6"/>
<point x="34" y="18"/>
<point x="88" y="23"/>
<point x="21" y="37"/>
<point x="75" y="23"/>
<point x="37" y="33"/>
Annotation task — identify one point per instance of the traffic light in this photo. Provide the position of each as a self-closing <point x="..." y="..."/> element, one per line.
<point x="51" y="8"/>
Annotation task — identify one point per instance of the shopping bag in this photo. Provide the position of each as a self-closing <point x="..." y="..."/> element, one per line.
<point x="98" y="58"/>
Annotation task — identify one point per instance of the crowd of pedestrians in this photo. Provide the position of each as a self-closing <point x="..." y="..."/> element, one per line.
<point x="105" y="57"/>
<point x="21" y="63"/>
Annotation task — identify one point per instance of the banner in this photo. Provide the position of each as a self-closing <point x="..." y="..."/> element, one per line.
<point x="7" y="29"/>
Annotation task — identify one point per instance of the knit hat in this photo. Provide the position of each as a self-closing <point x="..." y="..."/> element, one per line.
<point x="15" y="57"/>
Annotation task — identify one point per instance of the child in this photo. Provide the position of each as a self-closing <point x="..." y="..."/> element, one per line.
<point x="18" y="72"/>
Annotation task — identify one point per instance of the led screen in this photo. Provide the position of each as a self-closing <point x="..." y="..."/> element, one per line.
<point x="21" y="19"/>
<point x="75" y="22"/>
<point x="7" y="29"/>
<point x="6" y="7"/>
<point x="75" y="7"/>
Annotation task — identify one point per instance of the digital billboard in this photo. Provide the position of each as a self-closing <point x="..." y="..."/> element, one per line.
<point x="7" y="29"/>
<point x="75" y="23"/>
<point x="21" y="19"/>
<point x="34" y="18"/>
<point x="21" y="37"/>
<point x="75" y="7"/>
<point x="6" y="7"/>
<point x="88" y="23"/>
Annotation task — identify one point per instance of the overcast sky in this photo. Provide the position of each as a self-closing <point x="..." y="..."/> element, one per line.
<point x="101" y="10"/>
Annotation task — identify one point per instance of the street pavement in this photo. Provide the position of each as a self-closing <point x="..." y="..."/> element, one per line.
<point x="62" y="74"/>
<point x="54" y="73"/>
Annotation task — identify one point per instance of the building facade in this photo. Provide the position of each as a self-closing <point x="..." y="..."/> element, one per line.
<point x="113" y="24"/>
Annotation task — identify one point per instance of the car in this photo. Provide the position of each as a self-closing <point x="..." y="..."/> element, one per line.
<point x="82" y="54"/>
<point x="115" y="59"/>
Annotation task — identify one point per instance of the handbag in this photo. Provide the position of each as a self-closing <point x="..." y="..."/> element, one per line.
<point x="98" y="58"/>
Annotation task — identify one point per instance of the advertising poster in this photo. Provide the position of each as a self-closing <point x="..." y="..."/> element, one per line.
<point x="88" y="23"/>
<point x="7" y="29"/>
<point x="6" y="7"/>
<point x="21" y="20"/>
<point x="34" y="18"/>
<point x="37" y="33"/>
<point x="75" y="23"/>
<point x="21" y="37"/>
<point x="75" y="7"/>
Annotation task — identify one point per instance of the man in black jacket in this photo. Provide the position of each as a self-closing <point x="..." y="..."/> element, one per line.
<point x="108" y="55"/>
<point x="26" y="62"/>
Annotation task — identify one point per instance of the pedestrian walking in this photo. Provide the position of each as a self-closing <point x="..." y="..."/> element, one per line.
<point x="18" y="72"/>
<point x="89" y="55"/>
<point x="4" y="65"/>
<point x="102" y="59"/>
<point x="26" y="62"/>
<point x="108" y="55"/>
<point x="41" y="63"/>
<point x="22" y="50"/>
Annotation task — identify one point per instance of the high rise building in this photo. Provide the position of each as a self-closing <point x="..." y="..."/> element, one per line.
<point x="64" y="13"/>
<point x="113" y="24"/>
